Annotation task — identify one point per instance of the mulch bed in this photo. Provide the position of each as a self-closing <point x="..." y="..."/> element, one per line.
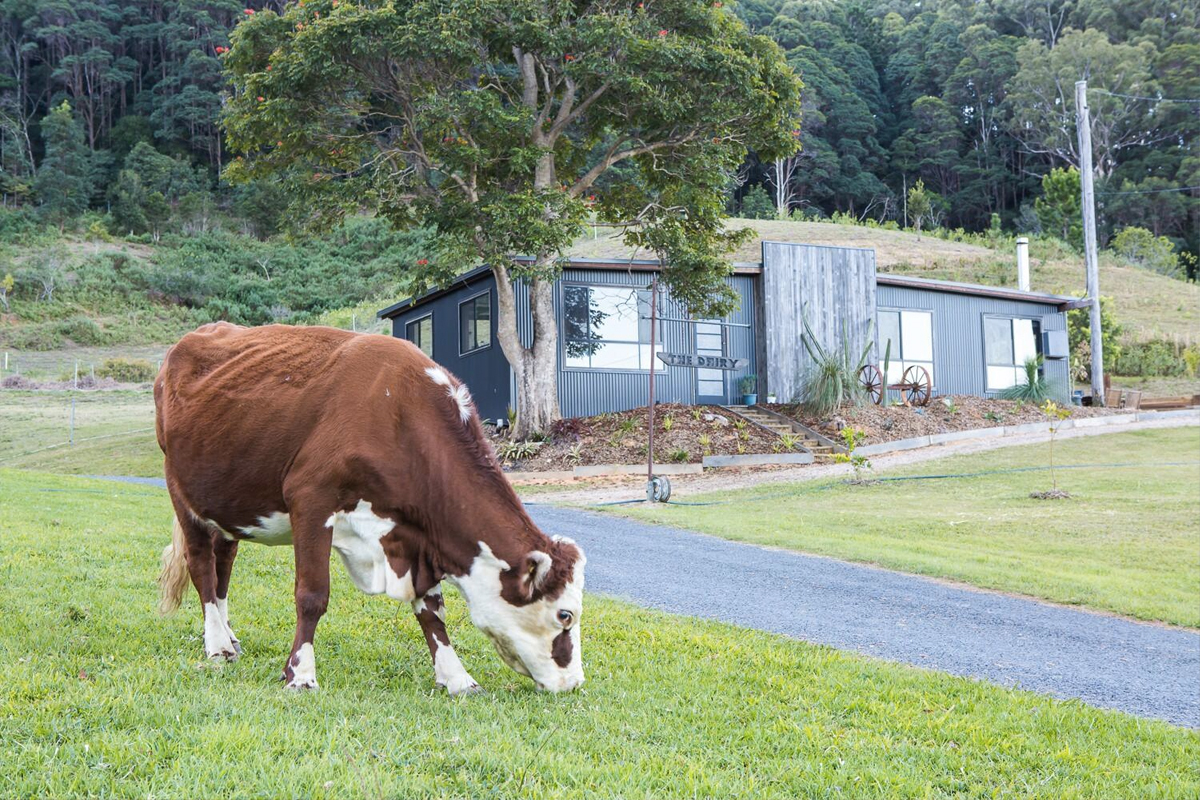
<point x="942" y="415"/>
<point x="682" y="434"/>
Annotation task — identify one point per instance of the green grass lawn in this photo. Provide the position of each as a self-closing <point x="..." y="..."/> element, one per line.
<point x="114" y="432"/>
<point x="99" y="697"/>
<point x="1128" y="542"/>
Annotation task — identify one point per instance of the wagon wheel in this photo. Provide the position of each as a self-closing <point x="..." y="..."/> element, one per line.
<point x="872" y="382"/>
<point x="917" y="386"/>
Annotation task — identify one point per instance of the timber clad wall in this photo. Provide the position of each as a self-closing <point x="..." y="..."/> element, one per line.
<point x="958" y="338"/>
<point x="833" y="286"/>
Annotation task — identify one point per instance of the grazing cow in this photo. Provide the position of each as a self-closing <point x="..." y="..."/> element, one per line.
<point x="323" y="439"/>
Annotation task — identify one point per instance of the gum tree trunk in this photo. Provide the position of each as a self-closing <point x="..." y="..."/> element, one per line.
<point x="535" y="367"/>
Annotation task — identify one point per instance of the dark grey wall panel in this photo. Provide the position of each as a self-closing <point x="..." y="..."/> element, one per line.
<point x="958" y="355"/>
<point x="486" y="371"/>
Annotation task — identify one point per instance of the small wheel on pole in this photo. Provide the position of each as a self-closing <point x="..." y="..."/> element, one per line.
<point x="872" y="381"/>
<point x="917" y="386"/>
<point x="658" y="489"/>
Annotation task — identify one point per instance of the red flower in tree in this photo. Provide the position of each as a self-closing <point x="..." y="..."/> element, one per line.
<point x="249" y="12"/>
<point x="662" y="33"/>
<point x="422" y="262"/>
<point x="260" y="98"/>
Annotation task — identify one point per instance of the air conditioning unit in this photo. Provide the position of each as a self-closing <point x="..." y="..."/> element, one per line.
<point x="1054" y="344"/>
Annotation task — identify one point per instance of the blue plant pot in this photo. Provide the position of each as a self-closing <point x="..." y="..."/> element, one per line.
<point x="749" y="399"/>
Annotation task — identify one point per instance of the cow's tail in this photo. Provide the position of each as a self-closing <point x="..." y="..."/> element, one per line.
<point x="173" y="578"/>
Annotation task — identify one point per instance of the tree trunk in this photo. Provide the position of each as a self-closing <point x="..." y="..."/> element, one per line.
<point x="535" y="367"/>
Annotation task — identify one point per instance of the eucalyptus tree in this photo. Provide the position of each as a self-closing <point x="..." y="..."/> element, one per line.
<point x="504" y="125"/>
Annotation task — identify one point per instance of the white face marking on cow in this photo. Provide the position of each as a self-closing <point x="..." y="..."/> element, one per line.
<point x="304" y="668"/>
<point x="356" y="536"/>
<point x="459" y="393"/>
<point x="449" y="672"/>
<point x="218" y="639"/>
<point x="273" y="529"/>
<point x="524" y="635"/>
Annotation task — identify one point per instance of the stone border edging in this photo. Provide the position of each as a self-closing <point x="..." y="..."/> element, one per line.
<point x="1014" y="430"/>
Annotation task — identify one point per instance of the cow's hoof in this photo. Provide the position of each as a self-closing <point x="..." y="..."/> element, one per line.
<point x="461" y="687"/>
<point x="300" y="684"/>
<point x="225" y="655"/>
<point x="237" y="646"/>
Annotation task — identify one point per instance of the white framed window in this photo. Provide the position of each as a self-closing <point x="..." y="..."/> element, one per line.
<point x="475" y="323"/>
<point x="608" y="327"/>
<point x="910" y="334"/>
<point x="420" y="332"/>
<point x="1008" y="342"/>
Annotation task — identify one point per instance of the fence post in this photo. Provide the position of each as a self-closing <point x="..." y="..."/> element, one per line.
<point x="76" y="386"/>
<point x="71" y="440"/>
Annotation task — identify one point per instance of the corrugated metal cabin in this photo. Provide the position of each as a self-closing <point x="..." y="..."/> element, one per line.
<point x="972" y="339"/>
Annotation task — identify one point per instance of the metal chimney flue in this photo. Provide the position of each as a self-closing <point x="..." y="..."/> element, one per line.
<point x="1023" y="263"/>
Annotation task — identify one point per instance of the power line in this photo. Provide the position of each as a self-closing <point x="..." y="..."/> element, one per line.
<point x="1145" y="97"/>
<point x="1154" y="191"/>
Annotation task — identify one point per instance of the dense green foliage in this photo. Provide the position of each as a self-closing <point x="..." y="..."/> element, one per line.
<point x="977" y="100"/>
<point x="88" y="294"/>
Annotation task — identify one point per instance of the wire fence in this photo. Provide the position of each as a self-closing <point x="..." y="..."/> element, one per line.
<point x="41" y="421"/>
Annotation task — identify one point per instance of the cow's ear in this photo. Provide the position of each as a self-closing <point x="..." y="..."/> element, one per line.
<point x="536" y="569"/>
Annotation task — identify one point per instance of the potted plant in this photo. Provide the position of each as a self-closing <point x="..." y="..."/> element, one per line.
<point x="749" y="393"/>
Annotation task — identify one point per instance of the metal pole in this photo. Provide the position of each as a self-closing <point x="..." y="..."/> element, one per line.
<point x="72" y="434"/>
<point x="1083" y="124"/>
<point x="1023" y="263"/>
<point x="653" y="343"/>
<point x="76" y="381"/>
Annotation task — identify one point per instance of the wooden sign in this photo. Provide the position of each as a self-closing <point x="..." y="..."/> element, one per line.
<point x="701" y="362"/>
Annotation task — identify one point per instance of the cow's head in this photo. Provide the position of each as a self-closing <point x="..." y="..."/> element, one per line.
<point x="531" y="610"/>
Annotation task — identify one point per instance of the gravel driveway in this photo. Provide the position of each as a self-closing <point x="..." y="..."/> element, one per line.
<point x="1144" y="669"/>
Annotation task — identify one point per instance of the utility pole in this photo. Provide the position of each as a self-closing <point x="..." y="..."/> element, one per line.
<point x="1083" y="125"/>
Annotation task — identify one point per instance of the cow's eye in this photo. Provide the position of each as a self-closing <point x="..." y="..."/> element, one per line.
<point x="566" y="618"/>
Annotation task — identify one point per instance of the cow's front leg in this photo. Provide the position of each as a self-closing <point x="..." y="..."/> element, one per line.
<point x="448" y="671"/>
<point x="312" y="542"/>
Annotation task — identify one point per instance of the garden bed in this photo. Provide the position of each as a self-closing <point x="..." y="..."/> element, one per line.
<point x="943" y="415"/>
<point x="682" y="434"/>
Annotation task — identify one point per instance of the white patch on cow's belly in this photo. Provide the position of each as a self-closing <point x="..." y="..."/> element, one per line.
<point x="274" y="529"/>
<point x="356" y="536"/>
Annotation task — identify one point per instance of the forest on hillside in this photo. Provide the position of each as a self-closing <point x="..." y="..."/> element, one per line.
<point x="113" y="107"/>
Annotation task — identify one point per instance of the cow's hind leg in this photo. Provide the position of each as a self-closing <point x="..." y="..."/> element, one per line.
<point x="448" y="671"/>
<point x="200" y="541"/>
<point x="224" y="552"/>
<point x="312" y="541"/>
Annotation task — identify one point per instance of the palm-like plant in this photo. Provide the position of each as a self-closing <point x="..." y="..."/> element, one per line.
<point x="1035" y="389"/>
<point x="832" y="381"/>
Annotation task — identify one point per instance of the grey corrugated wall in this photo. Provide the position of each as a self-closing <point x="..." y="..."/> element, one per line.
<point x="958" y="357"/>
<point x="833" y="286"/>
<point x="589" y="392"/>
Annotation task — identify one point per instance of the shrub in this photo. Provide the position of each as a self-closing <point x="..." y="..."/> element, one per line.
<point x="127" y="370"/>
<point x="1156" y="357"/>
<point x="1141" y="248"/>
<point x="832" y="381"/>
<point x="81" y="330"/>
<point x="36" y="336"/>
<point x="1035" y="389"/>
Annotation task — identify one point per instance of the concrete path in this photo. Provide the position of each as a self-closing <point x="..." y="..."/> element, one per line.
<point x="1144" y="669"/>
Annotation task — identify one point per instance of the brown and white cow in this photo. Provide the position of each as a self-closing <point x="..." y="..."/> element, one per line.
<point x="327" y="440"/>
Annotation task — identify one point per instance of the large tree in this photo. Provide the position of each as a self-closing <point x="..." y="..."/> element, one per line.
<point x="503" y="124"/>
